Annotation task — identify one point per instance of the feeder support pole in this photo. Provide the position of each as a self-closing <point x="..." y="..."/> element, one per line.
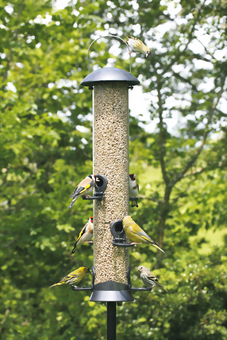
<point x="111" y="320"/>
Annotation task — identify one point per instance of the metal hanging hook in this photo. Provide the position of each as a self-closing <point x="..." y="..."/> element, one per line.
<point x="111" y="36"/>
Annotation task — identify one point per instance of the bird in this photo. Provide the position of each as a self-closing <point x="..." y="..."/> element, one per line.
<point x="83" y="188"/>
<point x="133" y="186"/>
<point x="133" y="190"/>
<point x="74" y="277"/>
<point x="85" y="234"/>
<point x="137" y="46"/>
<point x="148" y="278"/>
<point x="137" y="234"/>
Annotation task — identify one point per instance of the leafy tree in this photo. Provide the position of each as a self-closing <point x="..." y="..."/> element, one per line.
<point x="45" y="152"/>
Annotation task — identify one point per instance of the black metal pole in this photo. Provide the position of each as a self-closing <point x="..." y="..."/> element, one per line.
<point x="111" y="320"/>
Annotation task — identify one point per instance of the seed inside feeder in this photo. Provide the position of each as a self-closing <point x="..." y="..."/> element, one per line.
<point x="110" y="158"/>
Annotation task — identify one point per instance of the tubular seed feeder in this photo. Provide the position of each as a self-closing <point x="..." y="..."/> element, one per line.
<point x="111" y="158"/>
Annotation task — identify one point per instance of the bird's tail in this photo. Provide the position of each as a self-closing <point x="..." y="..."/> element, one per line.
<point x="74" y="249"/>
<point x="73" y="201"/>
<point x="56" y="284"/>
<point x="160" y="285"/>
<point x="157" y="246"/>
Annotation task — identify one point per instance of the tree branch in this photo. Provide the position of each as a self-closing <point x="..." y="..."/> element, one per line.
<point x="4" y="179"/>
<point x="206" y="50"/>
<point x="181" y="174"/>
<point x="190" y="38"/>
<point x="177" y="75"/>
<point x="149" y="198"/>
<point x="161" y="137"/>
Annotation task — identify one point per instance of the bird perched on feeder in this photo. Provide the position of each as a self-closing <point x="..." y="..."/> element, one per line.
<point x="137" y="46"/>
<point x="133" y="190"/>
<point x="133" y="186"/>
<point x="148" y="278"/>
<point x="74" y="277"/>
<point x="85" y="234"/>
<point x="137" y="234"/>
<point x="83" y="188"/>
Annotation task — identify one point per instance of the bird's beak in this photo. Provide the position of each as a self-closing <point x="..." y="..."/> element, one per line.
<point x="147" y="54"/>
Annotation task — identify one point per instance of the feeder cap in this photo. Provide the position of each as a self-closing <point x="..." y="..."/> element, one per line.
<point x="109" y="74"/>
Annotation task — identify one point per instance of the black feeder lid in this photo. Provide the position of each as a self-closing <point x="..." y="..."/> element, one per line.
<point x="109" y="74"/>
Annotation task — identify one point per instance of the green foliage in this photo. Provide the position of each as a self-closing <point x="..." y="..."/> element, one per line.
<point x="46" y="148"/>
<point x="197" y="289"/>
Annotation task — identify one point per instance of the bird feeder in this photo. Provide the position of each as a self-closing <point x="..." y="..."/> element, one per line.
<point x="111" y="158"/>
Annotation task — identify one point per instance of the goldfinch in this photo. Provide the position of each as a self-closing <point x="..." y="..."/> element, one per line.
<point x="133" y="186"/>
<point x="138" y="46"/>
<point x="137" y="234"/>
<point x="83" y="188"/>
<point x="75" y="277"/>
<point x="85" y="234"/>
<point x="148" y="278"/>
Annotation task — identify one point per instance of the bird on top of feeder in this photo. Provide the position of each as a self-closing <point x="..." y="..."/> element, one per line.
<point x="74" y="277"/>
<point x="85" y="234"/>
<point x="133" y="186"/>
<point x="137" y="46"/>
<point x="137" y="234"/>
<point x="83" y="188"/>
<point x="148" y="278"/>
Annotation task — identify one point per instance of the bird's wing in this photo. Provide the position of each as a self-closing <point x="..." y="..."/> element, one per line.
<point x="137" y="233"/>
<point x="151" y="276"/>
<point x="136" y="42"/>
<point x="83" y="186"/>
<point x="83" y="230"/>
<point x="140" y="234"/>
<point x="78" y="191"/>
<point x="133" y="38"/>
<point x="131" y="231"/>
<point x="154" y="279"/>
<point x="144" y="236"/>
<point x="87" y="183"/>
<point x="74" y="192"/>
<point x="71" y="277"/>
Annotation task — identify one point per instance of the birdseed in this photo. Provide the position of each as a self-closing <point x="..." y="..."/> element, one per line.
<point x="110" y="158"/>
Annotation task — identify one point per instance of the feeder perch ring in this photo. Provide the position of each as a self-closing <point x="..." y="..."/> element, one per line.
<point x="100" y="187"/>
<point x="100" y="183"/>
<point x="141" y="288"/>
<point x="118" y="233"/>
<point x="80" y="288"/>
<point x="97" y="196"/>
<point x="121" y="243"/>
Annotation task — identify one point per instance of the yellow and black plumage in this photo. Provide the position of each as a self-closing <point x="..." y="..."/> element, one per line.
<point x="73" y="278"/>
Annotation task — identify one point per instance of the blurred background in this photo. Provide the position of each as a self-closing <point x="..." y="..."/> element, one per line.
<point x="178" y="150"/>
